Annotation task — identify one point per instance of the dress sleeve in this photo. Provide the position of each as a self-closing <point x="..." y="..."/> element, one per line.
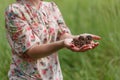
<point x="60" y="21"/>
<point x="19" y="33"/>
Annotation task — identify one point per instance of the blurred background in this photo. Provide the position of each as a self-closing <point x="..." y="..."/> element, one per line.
<point x="100" y="17"/>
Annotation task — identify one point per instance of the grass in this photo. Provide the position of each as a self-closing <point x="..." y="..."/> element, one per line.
<point x="101" y="17"/>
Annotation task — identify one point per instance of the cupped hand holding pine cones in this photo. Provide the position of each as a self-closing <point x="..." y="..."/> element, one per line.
<point x="82" y="42"/>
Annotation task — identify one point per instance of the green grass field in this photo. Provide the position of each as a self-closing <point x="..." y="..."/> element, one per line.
<point x="101" y="17"/>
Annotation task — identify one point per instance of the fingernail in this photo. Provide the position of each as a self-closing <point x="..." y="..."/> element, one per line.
<point x="72" y="46"/>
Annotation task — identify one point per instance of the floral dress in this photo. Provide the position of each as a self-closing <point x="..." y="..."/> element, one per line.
<point x="27" y="26"/>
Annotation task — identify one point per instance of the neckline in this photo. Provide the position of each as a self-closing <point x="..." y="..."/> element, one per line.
<point x="39" y="5"/>
<point x="32" y="6"/>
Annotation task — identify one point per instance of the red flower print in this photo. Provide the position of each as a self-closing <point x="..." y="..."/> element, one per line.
<point x="28" y="28"/>
<point x="13" y="72"/>
<point x="18" y="61"/>
<point x="57" y="79"/>
<point x="51" y="30"/>
<point x="34" y="15"/>
<point x="50" y="67"/>
<point x="28" y="44"/>
<point x="43" y="72"/>
<point x="23" y="18"/>
<point x="37" y="75"/>
<point x="35" y="24"/>
<point x="45" y="31"/>
<point x="32" y="37"/>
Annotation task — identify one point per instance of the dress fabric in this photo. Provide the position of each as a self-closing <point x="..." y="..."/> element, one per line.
<point x="27" y="26"/>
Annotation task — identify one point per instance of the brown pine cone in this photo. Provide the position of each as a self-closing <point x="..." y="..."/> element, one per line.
<point x="88" y="39"/>
<point x="81" y="40"/>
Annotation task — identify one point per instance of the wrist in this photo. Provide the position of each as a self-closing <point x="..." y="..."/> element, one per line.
<point x="62" y="43"/>
<point x="75" y="36"/>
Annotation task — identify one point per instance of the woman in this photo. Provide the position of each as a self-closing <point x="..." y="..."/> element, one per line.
<point x="36" y="31"/>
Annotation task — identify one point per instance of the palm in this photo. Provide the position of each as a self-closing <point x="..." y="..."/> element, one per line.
<point x="68" y="44"/>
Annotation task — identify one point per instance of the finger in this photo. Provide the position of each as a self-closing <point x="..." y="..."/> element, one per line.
<point x="85" y="49"/>
<point x="84" y="46"/>
<point x="95" y="37"/>
<point x="95" y="45"/>
<point x="76" y="49"/>
<point x="90" y="46"/>
<point x="92" y="43"/>
<point x="72" y="45"/>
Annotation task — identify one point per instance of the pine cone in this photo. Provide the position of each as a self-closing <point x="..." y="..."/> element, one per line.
<point x="81" y="40"/>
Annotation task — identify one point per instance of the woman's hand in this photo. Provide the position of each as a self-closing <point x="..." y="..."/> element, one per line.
<point x="95" y="37"/>
<point x="68" y="43"/>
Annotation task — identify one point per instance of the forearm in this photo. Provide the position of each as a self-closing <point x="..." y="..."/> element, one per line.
<point x="43" y="50"/>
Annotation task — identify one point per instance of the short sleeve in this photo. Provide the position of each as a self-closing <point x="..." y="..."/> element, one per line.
<point x="60" y="21"/>
<point x="19" y="33"/>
